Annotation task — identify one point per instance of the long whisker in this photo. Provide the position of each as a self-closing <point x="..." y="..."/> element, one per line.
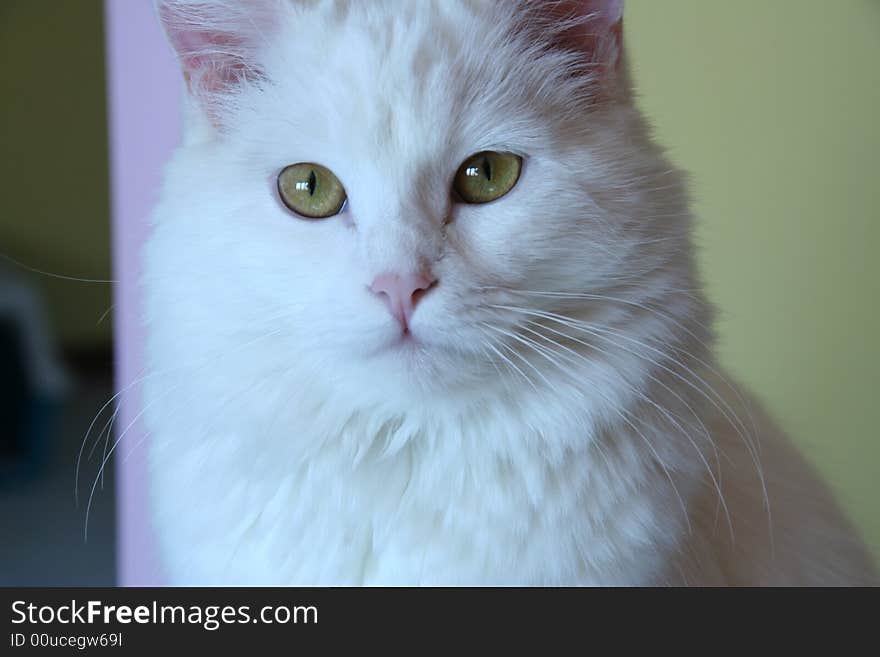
<point x="140" y="414"/>
<point x="666" y="316"/>
<point x="525" y="342"/>
<point x="484" y="348"/>
<point x="722" y="408"/>
<point x="116" y="397"/>
<point x="597" y="331"/>
<point x="658" y="407"/>
<point x="62" y="277"/>
<point x="510" y="363"/>
<point x="623" y="416"/>
<point x="92" y="426"/>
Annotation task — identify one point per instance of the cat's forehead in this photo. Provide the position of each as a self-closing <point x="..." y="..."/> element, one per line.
<point x="398" y="77"/>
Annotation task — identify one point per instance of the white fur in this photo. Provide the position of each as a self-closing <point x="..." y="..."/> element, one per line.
<point x="292" y="444"/>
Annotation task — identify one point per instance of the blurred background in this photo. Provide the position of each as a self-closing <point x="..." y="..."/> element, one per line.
<point x="55" y="334"/>
<point x="772" y="107"/>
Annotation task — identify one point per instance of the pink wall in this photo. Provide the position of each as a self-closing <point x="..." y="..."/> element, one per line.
<point x="144" y="102"/>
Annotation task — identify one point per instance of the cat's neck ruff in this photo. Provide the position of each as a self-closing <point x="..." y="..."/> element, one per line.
<point x="545" y="459"/>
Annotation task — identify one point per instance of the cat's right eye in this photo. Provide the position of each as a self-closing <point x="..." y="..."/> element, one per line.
<point x="311" y="190"/>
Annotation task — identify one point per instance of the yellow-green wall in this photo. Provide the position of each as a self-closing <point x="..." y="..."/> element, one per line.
<point x="774" y="108"/>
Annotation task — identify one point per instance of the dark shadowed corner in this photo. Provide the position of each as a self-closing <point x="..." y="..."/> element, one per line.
<point x="55" y="332"/>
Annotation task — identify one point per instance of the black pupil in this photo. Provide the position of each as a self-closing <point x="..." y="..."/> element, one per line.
<point x="313" y="181"/>
<point x="487" y="168"/>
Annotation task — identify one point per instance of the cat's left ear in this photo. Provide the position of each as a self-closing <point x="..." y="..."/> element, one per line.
<point x="216" y="42"/>
<point x="593" y="28"/>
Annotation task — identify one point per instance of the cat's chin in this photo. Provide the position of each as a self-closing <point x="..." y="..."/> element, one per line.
<point x="419" y="362"/>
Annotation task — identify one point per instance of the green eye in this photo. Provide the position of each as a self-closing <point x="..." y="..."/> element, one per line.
<point x="487" y="176"/>
<point x="311" y="190"/>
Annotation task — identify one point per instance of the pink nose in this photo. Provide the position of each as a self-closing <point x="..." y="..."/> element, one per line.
<point x="401" y="293"/>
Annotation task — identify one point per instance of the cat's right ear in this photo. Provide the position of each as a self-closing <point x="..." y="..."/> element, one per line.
<point x="216" y="42"/>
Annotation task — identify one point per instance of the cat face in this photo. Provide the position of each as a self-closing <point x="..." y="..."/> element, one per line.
<point x="410" y="285"/>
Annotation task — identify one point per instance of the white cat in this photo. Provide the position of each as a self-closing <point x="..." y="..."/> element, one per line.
<point x="422" y="309"/>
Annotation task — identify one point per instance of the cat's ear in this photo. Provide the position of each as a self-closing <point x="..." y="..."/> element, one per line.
<point x="593" y="28"/>
<point x="216" y="42"/>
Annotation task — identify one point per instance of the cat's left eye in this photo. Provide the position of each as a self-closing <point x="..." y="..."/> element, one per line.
<point x="311" y="190"/>
<point x="487" y="176"/>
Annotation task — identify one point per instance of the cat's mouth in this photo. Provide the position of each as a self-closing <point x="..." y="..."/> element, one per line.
<point x="412" y="346"/>
<point x="406" y="340"/>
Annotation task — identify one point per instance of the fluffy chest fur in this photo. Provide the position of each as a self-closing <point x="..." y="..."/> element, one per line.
<point x="479" y="498"/>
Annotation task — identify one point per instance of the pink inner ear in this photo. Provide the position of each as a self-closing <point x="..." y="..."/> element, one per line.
<point x="212" y="59"/>
<point x="610" y="12"/>
<point x="213" y="66"/>
<point x="598" y="31"/>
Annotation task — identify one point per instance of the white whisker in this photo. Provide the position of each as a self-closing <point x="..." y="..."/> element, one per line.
<point x="624" y="415"/>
